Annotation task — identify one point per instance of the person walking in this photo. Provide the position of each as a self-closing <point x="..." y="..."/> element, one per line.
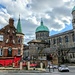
<point x="49" y="68"/>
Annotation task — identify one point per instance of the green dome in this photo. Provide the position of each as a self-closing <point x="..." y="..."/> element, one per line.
<point x="42" y="28"/>
<point x="73" y="9"/>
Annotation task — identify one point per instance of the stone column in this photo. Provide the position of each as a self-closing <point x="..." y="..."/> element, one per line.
<point x="13" y="64"/>
<point x="20" y="65"/>
<point x="22" y="50"/>
<point x="56" y="40"/>
<point x="70" y="40"/>
<point x="63" y="41"/>
<point x="41" y="65"/>
<point x="28" y="65"/>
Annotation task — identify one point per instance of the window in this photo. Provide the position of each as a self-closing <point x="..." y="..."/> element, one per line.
<point x="66" y="38"/>
<point x="19" y="51"/>
<point x="73" y="37"/>
<point x="19" y="40"/>
<point x="1" y="53"/>
<point x="9" y="51"/>
<point x="1" y="37"/>
<point x="57" y="40"/>
<point x="54" y="41"/>
<point x="60" y="40"/>
<point x="49" y="42"/>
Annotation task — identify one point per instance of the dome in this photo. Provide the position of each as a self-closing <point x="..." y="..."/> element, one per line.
<point x="42" y="28"/>
<point x="73" y="9"/>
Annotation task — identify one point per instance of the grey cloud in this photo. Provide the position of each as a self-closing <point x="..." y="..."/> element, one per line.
<point x="56" y="9"/>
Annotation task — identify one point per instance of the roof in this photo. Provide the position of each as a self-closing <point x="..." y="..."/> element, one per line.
<point x="60" y="34"/>
<point x="42" y="28"/>
<point x="73" y="9"/>
<point x="19" y="30"/>
<point x="37" y="41"/>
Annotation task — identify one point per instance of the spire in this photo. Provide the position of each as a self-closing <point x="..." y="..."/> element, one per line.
<point x="41" y="21"/>
<point x="19" y="30"/>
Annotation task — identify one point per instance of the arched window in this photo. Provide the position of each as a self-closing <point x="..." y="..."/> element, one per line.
<point x="49" y="42"/>
<point x="73" y="38"/>
<point x="57" y="40"/>
<point x="54" y="41"/>
<point x="19" y="40"/>
<point x="1" y="51"/>
<point x="66" y="39"/>
<point x="60" y="40"/>
<point x="9" y="51"/>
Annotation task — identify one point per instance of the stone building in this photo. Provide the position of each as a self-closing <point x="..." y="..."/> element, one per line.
<point x="42" y="32"/>
<point x="64" y="43"/>
<point x="60" y="46"/>
<point x="11" y="40"/>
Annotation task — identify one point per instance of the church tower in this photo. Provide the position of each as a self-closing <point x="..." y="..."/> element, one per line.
<point x="20" y="37"/>
<point x="42" y="32"/>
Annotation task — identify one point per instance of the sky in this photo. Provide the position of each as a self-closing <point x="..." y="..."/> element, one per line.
<point x="56" y="15"/>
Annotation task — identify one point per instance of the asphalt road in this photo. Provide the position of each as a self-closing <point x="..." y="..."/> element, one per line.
<point x="55" y="72"/>
<point x="38" y="73"/>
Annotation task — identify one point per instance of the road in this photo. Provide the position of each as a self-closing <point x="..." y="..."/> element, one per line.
<point x="38" y="73"/>
<point x="72" y="72"/>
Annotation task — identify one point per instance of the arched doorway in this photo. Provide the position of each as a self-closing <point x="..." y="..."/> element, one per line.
<point x="9" y="52"/>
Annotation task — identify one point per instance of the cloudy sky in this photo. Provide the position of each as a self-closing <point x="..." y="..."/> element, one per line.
<point x="56" y="15"/>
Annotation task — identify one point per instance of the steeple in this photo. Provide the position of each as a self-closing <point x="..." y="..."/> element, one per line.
<point x="41" y="21"/>
<point x="19" y="30"/>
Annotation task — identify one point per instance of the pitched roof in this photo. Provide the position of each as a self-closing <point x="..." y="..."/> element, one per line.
<point x="19" y="30"/>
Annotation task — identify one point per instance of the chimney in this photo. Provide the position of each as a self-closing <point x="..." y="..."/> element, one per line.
<point x="11" y="22"/>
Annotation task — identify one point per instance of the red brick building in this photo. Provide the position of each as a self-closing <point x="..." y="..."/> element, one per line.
<point x="11" y="40"/>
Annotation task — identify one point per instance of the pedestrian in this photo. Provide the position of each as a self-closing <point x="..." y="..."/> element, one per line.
<point x="53" y="69"/>
<point x="49" y="68"/>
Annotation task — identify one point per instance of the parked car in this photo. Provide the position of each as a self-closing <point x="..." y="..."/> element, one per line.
<point x="63" y="68"/>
